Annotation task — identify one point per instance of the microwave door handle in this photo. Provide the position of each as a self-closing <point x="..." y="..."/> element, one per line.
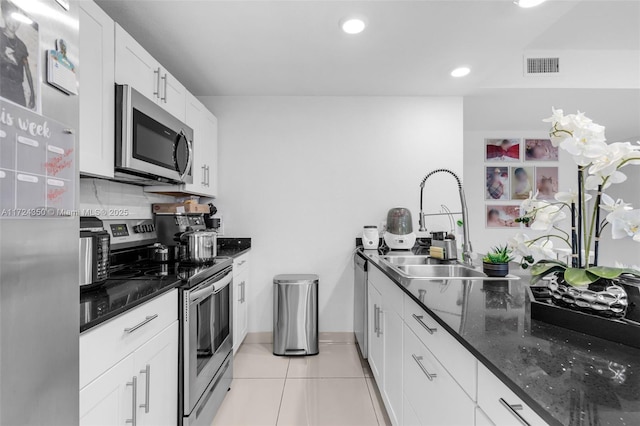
<point x="190" y="160"/>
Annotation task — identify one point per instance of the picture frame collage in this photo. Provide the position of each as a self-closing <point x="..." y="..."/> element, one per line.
<point x="514" y="168"/>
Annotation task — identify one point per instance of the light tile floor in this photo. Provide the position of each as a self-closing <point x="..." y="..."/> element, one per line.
<point x="332" y="388"/>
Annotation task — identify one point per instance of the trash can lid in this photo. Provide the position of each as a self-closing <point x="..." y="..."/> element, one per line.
<point x="295" y="278"/>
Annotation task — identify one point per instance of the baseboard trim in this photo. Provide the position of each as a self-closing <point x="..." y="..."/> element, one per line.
<point x="324" y="337"/>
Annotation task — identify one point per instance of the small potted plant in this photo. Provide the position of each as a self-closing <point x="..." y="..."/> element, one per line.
<point x="496" y="262"/>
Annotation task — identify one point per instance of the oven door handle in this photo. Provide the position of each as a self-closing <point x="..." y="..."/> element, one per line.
<point x="210" y="289"/>
<point x="224" y="282"/>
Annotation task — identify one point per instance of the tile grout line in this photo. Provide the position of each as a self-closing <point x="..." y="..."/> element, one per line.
<point x="284" y="385"/>
<point x="373" y="405"/>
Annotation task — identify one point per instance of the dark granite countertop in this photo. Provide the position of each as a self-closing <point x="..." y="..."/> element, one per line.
<point x="233" y="247"/>
<point x="567" y="377"/>
<point x="115" y="297"/>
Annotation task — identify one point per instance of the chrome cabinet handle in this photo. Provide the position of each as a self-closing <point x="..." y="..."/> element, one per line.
<point x="157" y="91"/>
<point x="134" y="402"/>
<point x="418" y="360"/>
<point x="207" y="167"/>
<point x="242" y="263"/>
<point x="240" y="296"/>
<point x="513" y="410"/>
<point x="164" y="98"/>
<point x="244" y="286"/>
<point x="146" y="371"/>
<point x="380" y="313"/>
<point x="426" y="327"/>
<point x="143" y="322"/>
<point x="375" y="319"/>
<point x="203" y="181"/>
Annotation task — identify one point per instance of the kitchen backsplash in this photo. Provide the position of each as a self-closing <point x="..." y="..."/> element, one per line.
<point x="107" y="199"/>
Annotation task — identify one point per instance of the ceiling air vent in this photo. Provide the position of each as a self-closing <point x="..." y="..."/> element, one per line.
<point x="540" y="66"/>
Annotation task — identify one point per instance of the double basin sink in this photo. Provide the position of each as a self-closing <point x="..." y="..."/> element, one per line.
<point x="426" y="267"/>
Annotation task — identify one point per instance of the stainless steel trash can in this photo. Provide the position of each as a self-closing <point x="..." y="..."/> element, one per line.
<point x="295" y="314"/>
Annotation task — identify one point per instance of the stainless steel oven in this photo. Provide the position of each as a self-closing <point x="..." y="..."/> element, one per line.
<point x="152" y="146"/>
<point x="206" y="345"/>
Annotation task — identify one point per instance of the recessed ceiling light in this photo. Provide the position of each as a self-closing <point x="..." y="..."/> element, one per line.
<point x="21" y="18"/>
<point x="353" y="25"/>
<point x="529" y="3"/>
<point x="460" y="72"/>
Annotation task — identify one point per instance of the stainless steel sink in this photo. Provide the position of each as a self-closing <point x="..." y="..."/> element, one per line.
<point x="411" y="260"/>
<point x="429" y="268"/>
<point x="440" y="271"/>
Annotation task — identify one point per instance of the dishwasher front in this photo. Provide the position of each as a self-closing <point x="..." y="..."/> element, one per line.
<point x="360" y="326"/>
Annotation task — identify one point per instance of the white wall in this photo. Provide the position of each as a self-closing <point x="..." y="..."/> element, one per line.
<point x="302" y="175"/>
<point x="518" y="113"/>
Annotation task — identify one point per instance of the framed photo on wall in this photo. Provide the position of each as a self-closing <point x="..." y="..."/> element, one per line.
<point x="502" y="150"/>
<point x="502" y="216"/>
<point x="19" y="57"/>
<point x="522" y="182"/>
<point x="547" y="182"/>
<point x="497" y="183"/>
<point x="540" y="150"/>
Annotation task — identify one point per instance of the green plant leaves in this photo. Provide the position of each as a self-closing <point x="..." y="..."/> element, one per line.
<point x="579" y="277"/>
<point x="606" y="272"/>
<point x="545" y="268"/>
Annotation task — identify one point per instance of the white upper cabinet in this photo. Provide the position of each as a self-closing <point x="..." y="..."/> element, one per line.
<point x="137" y="68"/>
<point x="97" y="94"/>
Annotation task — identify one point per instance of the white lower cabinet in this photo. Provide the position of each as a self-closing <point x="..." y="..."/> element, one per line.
<point x="482" y="419"/>
<point x="138" y="385"/>
<point x="427" y="377"/>
<point x="108" y="400"/>
<point x="385" y="342"/>
<point x="500" y="404"/>
<point x="240" y="306"/>
<point x="436" y="398"/>
<point x="156" y="366"/>
<point x="408" y="413"/>
<point x="376" y="348"/>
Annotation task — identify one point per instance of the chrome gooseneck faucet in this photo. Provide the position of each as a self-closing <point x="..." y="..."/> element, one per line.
<point x="466" y="244"/>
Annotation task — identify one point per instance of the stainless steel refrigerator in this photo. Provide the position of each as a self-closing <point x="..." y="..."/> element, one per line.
<point x="39" y="293"/>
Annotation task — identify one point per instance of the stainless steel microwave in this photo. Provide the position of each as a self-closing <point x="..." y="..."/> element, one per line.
<point x="152" y="146"/>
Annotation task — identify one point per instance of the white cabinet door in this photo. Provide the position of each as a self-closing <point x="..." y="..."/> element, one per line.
<point x="211" y="155"/>
<point x="173" y="95"/>
<point x="392" y="371"/>
<point x="501" y="405"/>
<point x="376" y="347"/>
<point x="240" y="311"/>
<point x="109" y="400"/>
<point x="136" y="67"/>
<point x="97" y="94"/>
<point x="156" y="365"/>
<point x="482" y="419"/>
<point x="436" y="398"/>
<point x="408" y="414"/>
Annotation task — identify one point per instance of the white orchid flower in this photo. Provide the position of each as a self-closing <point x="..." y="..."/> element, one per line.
<point x="531" y="203"/>
<point x="625" y="223"/>
<point x="542" y="249"/>
<point x="518" y="244"/>
<point x="570" y="197"/>
<point x="615" y="154"/>
<point x="592" y="182"/>
<point x="584" y="147"/>
<point x="613" y="206"/>
<point x="547" y="217"/>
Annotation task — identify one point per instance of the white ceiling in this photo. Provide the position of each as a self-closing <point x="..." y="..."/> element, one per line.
<point x="409" y="47"/>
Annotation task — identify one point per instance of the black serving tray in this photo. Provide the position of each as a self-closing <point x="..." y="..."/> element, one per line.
<point x="622" y="330"/>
